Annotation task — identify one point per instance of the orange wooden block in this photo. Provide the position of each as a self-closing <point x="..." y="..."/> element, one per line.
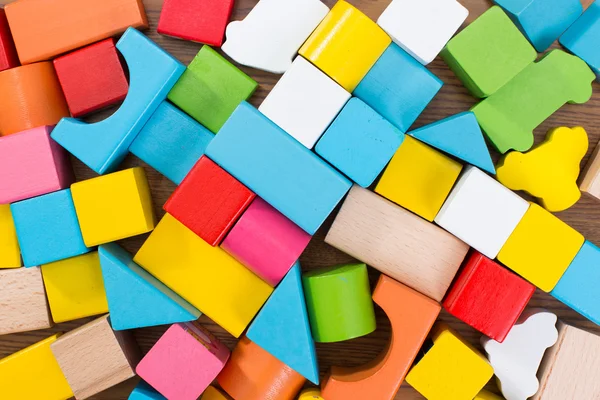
<point x="31" y="97"/>
<point x="411" y="315"/>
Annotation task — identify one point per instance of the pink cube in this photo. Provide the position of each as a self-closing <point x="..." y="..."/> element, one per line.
<point x="184" y="361"/>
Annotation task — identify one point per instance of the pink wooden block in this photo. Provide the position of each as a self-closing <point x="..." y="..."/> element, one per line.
<point x="266" y="242"/>
<point x="184" y="361"/>
<point x="32" y="164"/>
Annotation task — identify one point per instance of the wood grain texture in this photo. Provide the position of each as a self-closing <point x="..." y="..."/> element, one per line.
<point x="590" y="178"/>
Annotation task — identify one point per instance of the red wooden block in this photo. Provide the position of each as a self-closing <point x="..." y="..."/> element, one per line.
<point x="201" y="21"/>
<point x="209" y="201"/>
<point x="488" y="297"/>
<point x="8" y="52"/>
<point x="92" y="78"/>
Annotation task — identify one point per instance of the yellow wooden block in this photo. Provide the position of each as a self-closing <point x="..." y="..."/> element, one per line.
<point x="345" y="45"/>
<point x="10" y="254"/>
<point x="213" y="394"/>
<point x="75" y="287"/>
<point x="419" y="178"/>
<point x="33" y="374"/>
<point x="310" y="394"/>
<point x="485" y="395"/>
<point x="451" y="370"/>
<point x="541" y="248"/>
<point x="549" y="171"/>
<point x="207" y="277"/>
<point x="113" y="207"/>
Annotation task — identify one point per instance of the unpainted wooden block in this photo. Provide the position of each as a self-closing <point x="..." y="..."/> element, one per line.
<point x="590" y="178"/>
<point x="10" y="253"/>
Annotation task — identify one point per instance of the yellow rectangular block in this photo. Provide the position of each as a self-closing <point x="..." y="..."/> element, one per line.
<point x="75" y="287"/>
<point x="419" y="178"/>
<point x="33" y="373"/>
<point x="451" y="370"/>
<point x="10" y="254"/>
<point x="541" y="248"/>
<point x="114" y="207"/>
<point x="207" y="277"/>
<point x="345" y="45"/>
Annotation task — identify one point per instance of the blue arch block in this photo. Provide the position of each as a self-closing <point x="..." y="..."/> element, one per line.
<point x="583" y="36"/>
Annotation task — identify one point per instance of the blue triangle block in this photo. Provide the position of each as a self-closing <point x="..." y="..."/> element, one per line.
<point x="459" y="136"/>
<point x="282" y="327"/>
<point x="136" y="299"/>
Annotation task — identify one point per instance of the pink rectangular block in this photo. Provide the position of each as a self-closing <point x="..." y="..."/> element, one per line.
<point x="184" y="361"/>
<point x="266" y="242"/>
<point x="32" y="164"/>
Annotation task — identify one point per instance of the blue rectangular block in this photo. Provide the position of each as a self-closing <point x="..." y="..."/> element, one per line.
<point x="277" y="168"/>
<point x="583" y="37"/>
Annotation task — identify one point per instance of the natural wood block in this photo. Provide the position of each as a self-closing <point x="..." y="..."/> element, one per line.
<point x="590" y="179"/>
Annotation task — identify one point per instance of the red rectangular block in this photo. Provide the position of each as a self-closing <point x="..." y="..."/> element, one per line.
<point x="8" y="52"/>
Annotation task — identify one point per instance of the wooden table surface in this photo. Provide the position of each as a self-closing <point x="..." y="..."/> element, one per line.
<point x="453" y="98"/>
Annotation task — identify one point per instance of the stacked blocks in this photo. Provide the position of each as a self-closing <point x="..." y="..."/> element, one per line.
<point x="582" y="37"/>
<point x="143" y="391"/>
<point x="10" y="253"/>
<point x="8" y="52"/>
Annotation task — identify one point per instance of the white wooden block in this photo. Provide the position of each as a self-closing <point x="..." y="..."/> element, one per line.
<point x="481" y="212"/>
<point x="271" y="34"/>
<point x="422" y="27"/>
<point x="517" y="359"/>
<point x="304" y="102"/>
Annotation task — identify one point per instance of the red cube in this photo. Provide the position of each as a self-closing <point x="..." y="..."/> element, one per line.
<point x="8" y="52"/>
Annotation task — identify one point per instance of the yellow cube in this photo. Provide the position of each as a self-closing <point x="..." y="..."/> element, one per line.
<point x="114" y="207"/>
<point x="451" y="370"/>
<point x="419" y="178"/>
<point x="75" y="287"/>
<point x="541" y="248"/>
<point x="10" y="254"/>
<point x="345" y="45"/>
<point x="33" y="373"/>
<point x="207" y="277"/>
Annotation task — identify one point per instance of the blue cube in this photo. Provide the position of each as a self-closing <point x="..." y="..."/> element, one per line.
<point x="143" y="391"/>
<point x="583" y="37"/>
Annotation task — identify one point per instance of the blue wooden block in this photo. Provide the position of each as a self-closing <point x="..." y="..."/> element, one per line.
<point x="583" y="37"/>
<point x="143" y="391"/>
<point x="579" y="286"/>
<point x="47" y="228"/>
<point x="276" y="167"/>
<point x="282" y="328"/>
<point x="136" y="299"/>
<point x="398" y="87"/>
<point x="171" y="142"/>
<point x="461" y="137"/>
<point x="103" y="145"/>
<point x="359" y="142"/>
<point x="542" y="21"/>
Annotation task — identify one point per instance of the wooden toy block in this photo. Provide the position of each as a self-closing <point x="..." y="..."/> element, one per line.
<point x="509" y="117"/>
<point x="93" y="357"/>
<point x="581" y="38"/>
<point x="43" y="29"/>
<point x="205" y="276"/>
<point x="411" y="315"/>
<point x="209" y="201"/>
<point x="40" y="99"/>
<point x="451" y="370"/>
<point x="47" y="228"/>
<point x="272" y="33"/>
<point x="266" y="242"/>
<point x="114" y="207"/>
<point x="152" y="73"/>
<point x="75" y="288"/>
<point x="345" y="45"/>
<point x="590" y="179"/>
<point x="33" y="373"/>
<point x="211" y="88"/>
<point x="459" y="136"/>
<point x="518" y="358"/>
<point x="184" y="361"/>
<point x="32" y="164"/>
<point x="8" y="52"/>
<point x="419" y="178"/>
<point x="481" y="212"/>
<point x="422" y="28"/>
<point x="417" y="253"/>
<point x="488" y="297"/>
<point x="278" y="168"/>
<point x="541" y="248"/>
<point x="485" y="395"/>
<point x="310" y="394"/>
<point x="10" y="253"/>
<point x="398" y="87"/>
<point x="254" y="374"/>
<point x="23" y="299"/>
<point x="550" y="170"/>
<point x="171" y="135"/>
<point x="92" y="78"/>
<point x="199" y="21"/>
<point x="212" y="393"/>
<point x="360" y="142"/>
<point x="136" y="299"/>
<point x="301" y="92"/>
<point x="143" y="391"/>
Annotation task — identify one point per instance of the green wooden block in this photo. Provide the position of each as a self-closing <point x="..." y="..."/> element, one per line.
<point x="211" y="88"/>
<point x="488" y="53"/>
<point x="509" y="116"/>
